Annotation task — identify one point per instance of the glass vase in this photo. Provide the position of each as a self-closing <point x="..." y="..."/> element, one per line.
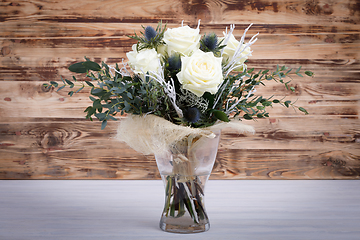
<point x="184" y="168"/>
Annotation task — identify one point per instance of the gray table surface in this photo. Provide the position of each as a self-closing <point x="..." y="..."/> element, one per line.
<point x="238" y="209"/>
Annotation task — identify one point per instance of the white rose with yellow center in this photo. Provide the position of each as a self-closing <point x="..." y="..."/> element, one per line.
<point x="200" y="73"/>
<point x="184" y="40"/>
<point x="143" y="61"/>
<point x="229" y="52"/>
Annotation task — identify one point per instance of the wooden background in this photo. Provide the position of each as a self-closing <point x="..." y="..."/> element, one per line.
<point x="43" y="134"/>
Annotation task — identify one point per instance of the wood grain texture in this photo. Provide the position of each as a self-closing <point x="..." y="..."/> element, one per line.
<point x="43" y="134"/>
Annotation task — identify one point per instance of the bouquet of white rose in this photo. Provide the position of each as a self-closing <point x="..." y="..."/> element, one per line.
<point x="181" y="77"/>
<point x="176" y="88"/>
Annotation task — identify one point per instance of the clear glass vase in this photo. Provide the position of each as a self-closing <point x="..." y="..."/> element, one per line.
<point x="185" y="167"/>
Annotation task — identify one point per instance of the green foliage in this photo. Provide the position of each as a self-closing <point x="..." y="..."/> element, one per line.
<point x="113" y="93"/>
<point x="241" y="101"/>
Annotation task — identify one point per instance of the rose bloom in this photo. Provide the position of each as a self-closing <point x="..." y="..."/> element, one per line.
<point x="143" y="61"/>
<point x="229" y="52"/>
<point x="184" y="40"/>
<point x="200" y="73"/>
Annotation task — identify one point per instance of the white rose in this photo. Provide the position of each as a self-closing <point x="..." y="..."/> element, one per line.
<point x="143" y="61"/>
<point x="183" y="39"/>
<point x="201" y="72"/>
<point x="229" y="52"/>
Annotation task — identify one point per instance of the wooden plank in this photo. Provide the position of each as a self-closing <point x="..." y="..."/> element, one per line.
<point x="22" y="53"/>
<point x="78" y="149"/>
<point x="138" y="11"/>
<point x="43" y="134"/>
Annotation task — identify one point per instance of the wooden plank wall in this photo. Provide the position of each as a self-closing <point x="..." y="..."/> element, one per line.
<point x="43" y="134"/>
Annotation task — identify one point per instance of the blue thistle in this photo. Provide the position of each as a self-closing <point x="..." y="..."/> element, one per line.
<point x="192" y="114"/>
<point x="174" y="62"/>
<point x="209" y="42"/>
<point x="150" y="33"/>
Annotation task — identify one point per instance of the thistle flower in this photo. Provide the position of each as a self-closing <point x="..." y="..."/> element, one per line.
<point x="192" y="114"/>
<point x="174" y="62"/>
<point x="150" y="33"/>
<point x="150" y="38"/>
<point x="209" y="41"/>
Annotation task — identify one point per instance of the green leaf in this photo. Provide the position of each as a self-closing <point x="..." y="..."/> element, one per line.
<point x="266" y="103"/>
<point x="100" y="116"/>
<point x="69" y="82"/>
<point x="91" y="66"/>
<point x="220" y="115"/>
<point x="96" y="90"/>
<point x="78" y="68"/>
<point x="112" y="118"/>
<point x="70" y="93"/>
<point x="250" y="70"/>
<point x="106" y="66"/>
<point x="89" y="84"/>
<point x="60" y="88"/>
<point x="103" y="124"/>
<point x="79" y="89"/>
<point x="55" y="84"/>
<point x="287" y="103"/>
<point x="248" y="117"/>
<point x="276" y="101"/>
<point x="303" y="110"/>
<point x="97" y="103"/>
<point x="127" y="106"/>
<point x="309" y="73"/>
<point x="299" y="75"/>
<point x="292" y="89"/>
<point x="297" y="70"/>
<point x="120" y="90"/>
<point x="90" y="110"/>
<point x="129" y="95"/>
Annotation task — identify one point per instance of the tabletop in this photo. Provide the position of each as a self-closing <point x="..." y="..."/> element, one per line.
<point x="131" y="209"/>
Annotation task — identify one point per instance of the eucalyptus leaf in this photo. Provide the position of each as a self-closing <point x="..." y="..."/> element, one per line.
<point x="100" y="116"/>
<point x="221" y="115"/>
<point x="103" y="124"/>
<point x="69" y="82"/>
<point x="303" y="110"/>
<point x="247" y="116"/>
<point x="89" y="84"/>
<point x="91" y="66"/>
<point x="60" y="88"/>
<point x="309" y="73"/>
<point x="78" y="68"/>
<point x="55" y="84"/>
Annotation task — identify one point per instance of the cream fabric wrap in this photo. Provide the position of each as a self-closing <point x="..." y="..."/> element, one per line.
<point x="151" y="134"/>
